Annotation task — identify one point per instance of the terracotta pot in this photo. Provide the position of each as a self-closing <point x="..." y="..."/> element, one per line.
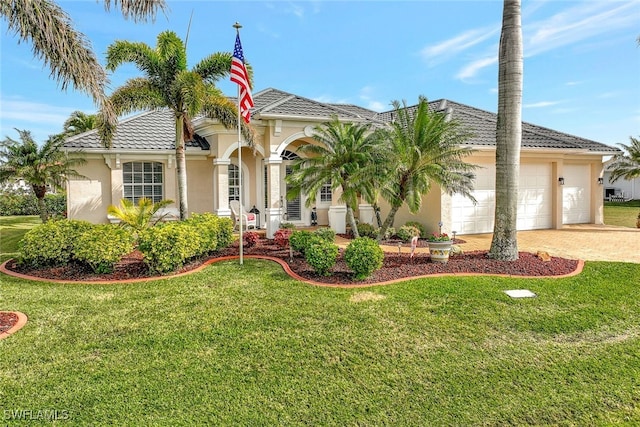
<point x="439" y="251"/>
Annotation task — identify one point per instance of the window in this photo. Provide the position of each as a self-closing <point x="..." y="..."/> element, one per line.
<point x="325" y="192"/>
<point x="234" y="183"/>
<point x="143" y="179"/>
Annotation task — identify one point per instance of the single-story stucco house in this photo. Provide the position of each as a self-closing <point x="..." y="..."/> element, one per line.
<point x="559" y="173"/>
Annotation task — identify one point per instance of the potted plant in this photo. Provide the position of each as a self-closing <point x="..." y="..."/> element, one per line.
<point x="439" y="247"/>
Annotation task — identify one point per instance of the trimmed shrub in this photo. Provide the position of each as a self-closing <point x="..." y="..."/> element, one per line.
<point x="250" y="238"/>
<point x="300" y="240"/>
<point x="322" y="256"/>
<point x="287" y="225"/>
<point x="52" y="243"/>
<point x="326" y="233"/>
<point x="363" y="256"/>
<point x="166" y="247"/>
<point x="420" y="227"/>
<point x="216" y="232"/>
<point x="281" y="237"/>
<point x="406" y="232"/>
<point x="388" y="234"/>
<point x="367" y="230"/>
<point x="102" y="246"/>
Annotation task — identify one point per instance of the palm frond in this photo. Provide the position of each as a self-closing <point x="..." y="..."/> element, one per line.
<point x="138" y="10"/>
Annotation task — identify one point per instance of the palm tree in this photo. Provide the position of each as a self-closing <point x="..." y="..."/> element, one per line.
<point x="138" y="216"/>
<point x="79" y="122"/>
<point x="169" y="84"/>
<point x="627" y="163"/>
<point x="38" y="167"/>
<point x="345" y="158"/>
<point x="425" y="148"/>
<point x="504" y="245"/>
<point x="67" y="52"/>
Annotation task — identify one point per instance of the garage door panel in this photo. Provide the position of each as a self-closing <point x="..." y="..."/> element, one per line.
<point x="576" y="194"/>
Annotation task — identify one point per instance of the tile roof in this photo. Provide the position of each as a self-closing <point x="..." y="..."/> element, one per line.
<point x="483" y="126"/>
<point x="151" y="130"/>
<point x="154" y="130"/>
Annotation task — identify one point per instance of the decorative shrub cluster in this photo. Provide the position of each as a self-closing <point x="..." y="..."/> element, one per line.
<point x="321" y="255"/>
<point x="103" y="246"/>
<point x="168" y="246"/>
<point x="420" y="227"/>
<point x="326" y="233"/>
<point x="363" y="256"/>
<point x="367" y="230"/>
<point x="250" y="238"/>
<point x="406" y="232"/>
<point x="281" y="237"/>
<point x="51" y="244"/>
<point x="21" y="202"/>
<point x="60" y="242"/>
<point x="300" y="240"/>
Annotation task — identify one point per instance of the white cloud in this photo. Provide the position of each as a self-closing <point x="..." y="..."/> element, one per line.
<point x="367" y="95"/>
<point x="470" y="70"/>
<point x="442" y="51"/>
<point x="541" y="104"/>
<point x="585" y="20"/>
<point x="25" y="111"/>
<point x="575" y="83"/>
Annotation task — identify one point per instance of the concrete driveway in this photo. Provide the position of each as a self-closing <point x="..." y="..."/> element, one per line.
<point x="588" y="242"/>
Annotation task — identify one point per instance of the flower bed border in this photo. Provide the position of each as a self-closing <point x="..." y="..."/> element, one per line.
<point x="22" y="320"/>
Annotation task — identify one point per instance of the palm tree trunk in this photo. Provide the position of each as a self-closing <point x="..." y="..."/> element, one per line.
<point x="504" y="245"/>
<point x="352" y="222"/>
<point x="181" y="168"/>
<point x="388" y="222"/>
<point x="40" y="191"/>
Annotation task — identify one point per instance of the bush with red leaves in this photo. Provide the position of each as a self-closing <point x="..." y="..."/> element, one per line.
<point x="251" y="238"/>
<point x="281" y="237"/>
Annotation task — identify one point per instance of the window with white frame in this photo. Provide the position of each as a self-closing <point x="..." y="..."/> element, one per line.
<point x="326" y="193"/>
<point x="143" y="180"/>
<point x="234" y="183"/>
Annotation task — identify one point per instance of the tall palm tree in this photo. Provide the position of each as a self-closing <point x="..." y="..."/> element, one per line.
<point x="167" y="83"/>
<point x="627" y="163"/>
<point x="345" y="157"/>
<point x="79" y="122"/>
<point x="37" y="166"/>
<point x="66" y="51"/>
<point x="425" y="148"/>
<point x="504" y="245"/>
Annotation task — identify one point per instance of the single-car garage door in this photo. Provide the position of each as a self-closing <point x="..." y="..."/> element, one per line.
<point x="534" y="201"/>
<point x="576" y="199"/>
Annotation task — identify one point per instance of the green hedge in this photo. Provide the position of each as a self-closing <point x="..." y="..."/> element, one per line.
<point x="321" y="255"/>
<point x="166" y="247"/>
<point x="363" y="256"/>
<point x="102" y="246"/>
<point x="52" y="243"/>
<point x="25" y="203"/>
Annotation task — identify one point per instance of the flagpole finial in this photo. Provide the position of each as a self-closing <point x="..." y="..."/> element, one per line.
<point x="237" y="26"/>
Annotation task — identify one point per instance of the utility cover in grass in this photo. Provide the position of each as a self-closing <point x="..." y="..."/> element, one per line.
<point x="520" y="293"/>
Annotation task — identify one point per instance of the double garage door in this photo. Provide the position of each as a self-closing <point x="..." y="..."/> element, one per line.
<point x="534" y="201"/>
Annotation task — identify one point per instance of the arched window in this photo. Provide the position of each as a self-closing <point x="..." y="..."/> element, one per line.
<point x="143" y="179"/>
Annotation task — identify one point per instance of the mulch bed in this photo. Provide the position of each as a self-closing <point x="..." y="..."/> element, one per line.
<point x="7" y="320"/>
<point x="394" y="267"/>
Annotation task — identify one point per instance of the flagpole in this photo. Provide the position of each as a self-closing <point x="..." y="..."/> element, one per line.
<point x="237" y="26"/>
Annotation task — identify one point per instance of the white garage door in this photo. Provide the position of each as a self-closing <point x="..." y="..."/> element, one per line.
<point x="576" y="194"/>
<point x="534" y="201"/>
<point x="468" y="218"/>
<point x="534" y="197"/>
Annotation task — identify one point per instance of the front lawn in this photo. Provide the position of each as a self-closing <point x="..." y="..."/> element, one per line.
<point x="12" y="229"/>
<point x="623" y="214"/>
<point x="247" y="345"/>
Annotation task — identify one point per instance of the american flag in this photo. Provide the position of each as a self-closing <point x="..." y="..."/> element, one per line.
<point x="240" y="76"/>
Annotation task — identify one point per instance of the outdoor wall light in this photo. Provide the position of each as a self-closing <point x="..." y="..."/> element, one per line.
<point x="600" y="180"/>
<point x="561" y="181"/>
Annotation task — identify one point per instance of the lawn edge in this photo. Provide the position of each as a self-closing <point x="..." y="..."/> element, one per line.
<point x="22" y="320"/>
<point x="286" y="268"/>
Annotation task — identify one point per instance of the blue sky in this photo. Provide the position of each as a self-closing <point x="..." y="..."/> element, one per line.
<point x="582" y="61"/>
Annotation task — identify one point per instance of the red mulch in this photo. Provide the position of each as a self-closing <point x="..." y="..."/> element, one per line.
<point x="394" y="267"/>
<point x="7" y="320"/>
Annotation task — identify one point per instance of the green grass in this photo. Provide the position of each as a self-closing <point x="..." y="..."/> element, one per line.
<point x="623" y="214"/>
<point x="247" y="345"/>
<point x="12" y="228"/>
